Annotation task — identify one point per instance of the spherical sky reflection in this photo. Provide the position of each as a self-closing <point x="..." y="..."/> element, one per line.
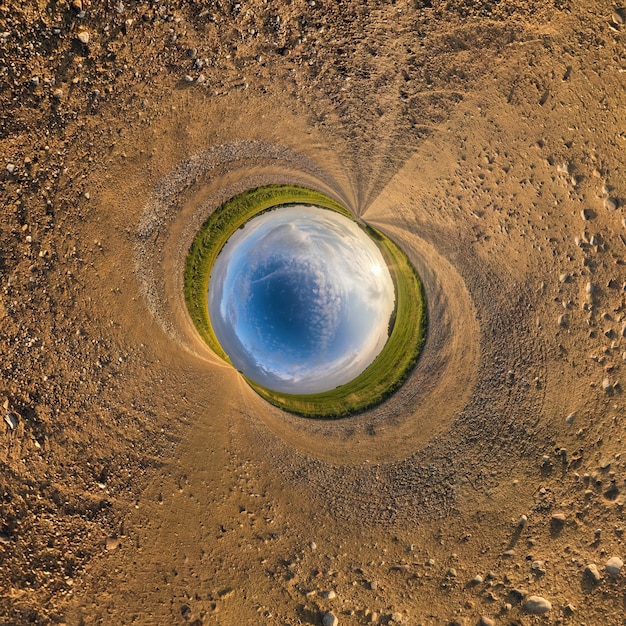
<point x="300" y="299"/>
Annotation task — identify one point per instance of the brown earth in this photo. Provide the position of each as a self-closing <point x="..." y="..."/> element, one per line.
<point x="143" y="483"/>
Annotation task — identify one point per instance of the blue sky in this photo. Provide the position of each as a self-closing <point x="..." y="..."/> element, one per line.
<point x="300" y="299"/>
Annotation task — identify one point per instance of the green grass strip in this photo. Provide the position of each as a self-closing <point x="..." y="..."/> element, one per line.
<point x="395" y="361"/>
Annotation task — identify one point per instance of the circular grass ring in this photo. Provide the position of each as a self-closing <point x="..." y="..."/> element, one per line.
<point x="408" y="323"/>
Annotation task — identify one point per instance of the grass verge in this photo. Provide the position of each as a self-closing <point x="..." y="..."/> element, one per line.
<point x="395" y="361"/>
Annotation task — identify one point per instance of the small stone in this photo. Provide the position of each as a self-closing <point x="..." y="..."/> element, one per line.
<point x="34" y="81"/>
<point x="57" y="94"/>
<point x="592" y="573"/>
<point x="77" y="5"/>
<point x="486" y="621"/>
<point x="10" y="168"/>
<point x="11" y="420"/>
<point x="614" y="565"/>
<point x="589" y="288"/>
<point x="565" y="277"/>
<point x="396" y="618"/>
<point x="536" y="605"/>
<point x="610" y="204"/>
<point x="83" y="37"/>
<point x="111" y="543"/>
<point x="477" y="580"/>
<point x="374" y="585"/>
<point x="329" y="619"/>
<point x="563" y="168"/>
<point x="329" y="595"/>
<point x="538" y="568"/>
<point x="607" y="387"/>
<point x="562" y="320"/>
<point x="585" y="214"/>
<point x="570" y="418"/>
<point x="558" y="520"/>
<point x="619" y="16"/>
<point x="522" y="521"/>
<point x="188" y="78"/>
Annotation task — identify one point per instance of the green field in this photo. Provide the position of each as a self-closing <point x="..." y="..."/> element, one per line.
<point x="390" y="368"/>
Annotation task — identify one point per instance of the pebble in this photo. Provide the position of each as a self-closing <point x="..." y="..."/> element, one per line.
<point x="57" y="94"/>
<point x="618" y="16"/>
<point x="329" y="619"/>
<point x="34" y="81"/>
<point x="11" y="420"/>
<point x="10" y="168"/>
<point x="83" y="37"/>
<point x="329" y="595"/>
<point x="396" y="618"/>
<point x="570" y="418"/>
<point x="591" y="572"/>
<point x="558" y="519"/>
<point x="589" y="288"/>
<point x="536" y="605"/>
<point x="111" y="543"/>
<point x="477" y="579"/>
<point x="607" y="387"/>
<point x="486" y="621"/>
<point x="614" y="565"/>
<point x="585" y="214"/>
<point x="562" y="320"/>
<point x="522" y="521"/>
<point x="565" y="277"/>
<point x="610" y="203"/>
<point x="564" y="168"/>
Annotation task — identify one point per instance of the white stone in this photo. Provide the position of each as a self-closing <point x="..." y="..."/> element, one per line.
<point x="536" y="605"/>
<point x="614" y="565"/>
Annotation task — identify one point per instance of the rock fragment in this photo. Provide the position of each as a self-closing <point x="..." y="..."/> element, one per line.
<point x="536" y="605"/>
<point x="610" y="203"/>
<point x="592" y="573"/>
<point x="83" y="37"/>
<point x="329" y="619"/>
<point x="11" y="420"/>
<point x="614" y="565"/>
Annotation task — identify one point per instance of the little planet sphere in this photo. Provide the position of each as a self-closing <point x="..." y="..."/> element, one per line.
<point x="300" y="299"/>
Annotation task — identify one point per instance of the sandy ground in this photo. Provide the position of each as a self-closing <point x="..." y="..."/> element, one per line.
<point x="143" y="483"/>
